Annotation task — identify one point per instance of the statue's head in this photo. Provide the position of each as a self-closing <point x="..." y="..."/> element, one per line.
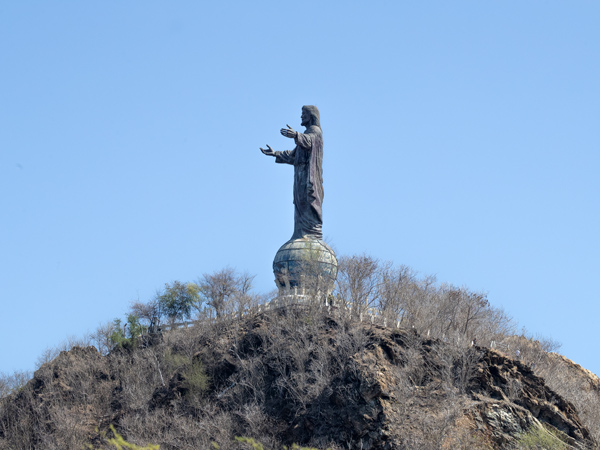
<point x="310" y="116"/>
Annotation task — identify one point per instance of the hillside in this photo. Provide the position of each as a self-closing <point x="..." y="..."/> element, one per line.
<point x="298" y="374"/>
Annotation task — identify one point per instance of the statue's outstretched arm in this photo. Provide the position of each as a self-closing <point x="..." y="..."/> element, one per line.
<point x="268" y="151"/>
<point x="285" y="157"/>
<point x="288" y="132"/>
<point x="303" y="140"/>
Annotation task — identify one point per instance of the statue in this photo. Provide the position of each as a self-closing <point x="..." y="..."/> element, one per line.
<point x="307" y="159"/>
<point x="305" y="265"/>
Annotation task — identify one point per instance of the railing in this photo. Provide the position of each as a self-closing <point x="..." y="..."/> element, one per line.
<point x="371" y="315"/>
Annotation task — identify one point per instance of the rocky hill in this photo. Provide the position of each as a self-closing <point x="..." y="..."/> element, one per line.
<point x="294" y="375"/>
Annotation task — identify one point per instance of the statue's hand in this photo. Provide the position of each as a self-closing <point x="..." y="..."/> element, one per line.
<point x="288" y="132"/>
<point x="268" y="151"/>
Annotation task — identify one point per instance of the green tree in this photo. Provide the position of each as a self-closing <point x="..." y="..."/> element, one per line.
<point x="127" y="334"/>
<point x="177" y="300"/>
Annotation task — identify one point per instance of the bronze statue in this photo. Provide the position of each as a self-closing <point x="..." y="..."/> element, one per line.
<point x="307" y="159"/>
<point x="305" y="265"/>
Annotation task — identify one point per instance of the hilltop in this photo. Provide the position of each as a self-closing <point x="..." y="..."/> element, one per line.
<point x="298" y="374"/>
<point x="391" y="361"/>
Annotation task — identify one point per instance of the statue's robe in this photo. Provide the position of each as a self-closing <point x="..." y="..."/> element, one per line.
<point x="307" y="159"/>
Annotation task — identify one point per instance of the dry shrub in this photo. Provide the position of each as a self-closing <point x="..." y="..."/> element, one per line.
<point x="366" y="285"/>
<point x="60" y="409"/>
<point x="10" y="383"/>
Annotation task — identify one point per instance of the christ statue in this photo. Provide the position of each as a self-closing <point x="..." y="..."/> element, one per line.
<point x="307" y="159"/>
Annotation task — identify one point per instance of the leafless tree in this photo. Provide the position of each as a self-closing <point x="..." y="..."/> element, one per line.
<point x="150" y="312"/>
<point x="222" y="289"/>
<point x="395" y="289"/>
<point x="358" y="282"/>
<point x="12" y="382"/>
<point x="102" y="337"/>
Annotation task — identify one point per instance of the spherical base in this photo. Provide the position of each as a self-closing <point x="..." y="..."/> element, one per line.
<point x="305" y="266"/>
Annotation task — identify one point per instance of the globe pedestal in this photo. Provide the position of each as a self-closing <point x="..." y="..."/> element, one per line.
<point x="305" y="267"/>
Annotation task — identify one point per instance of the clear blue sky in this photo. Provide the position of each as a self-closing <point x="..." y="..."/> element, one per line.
<point x="461" y="139"/>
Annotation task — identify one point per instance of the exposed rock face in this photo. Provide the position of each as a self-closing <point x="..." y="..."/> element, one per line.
<point x="289" y="378"/>
<point x="513" y="398"/>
